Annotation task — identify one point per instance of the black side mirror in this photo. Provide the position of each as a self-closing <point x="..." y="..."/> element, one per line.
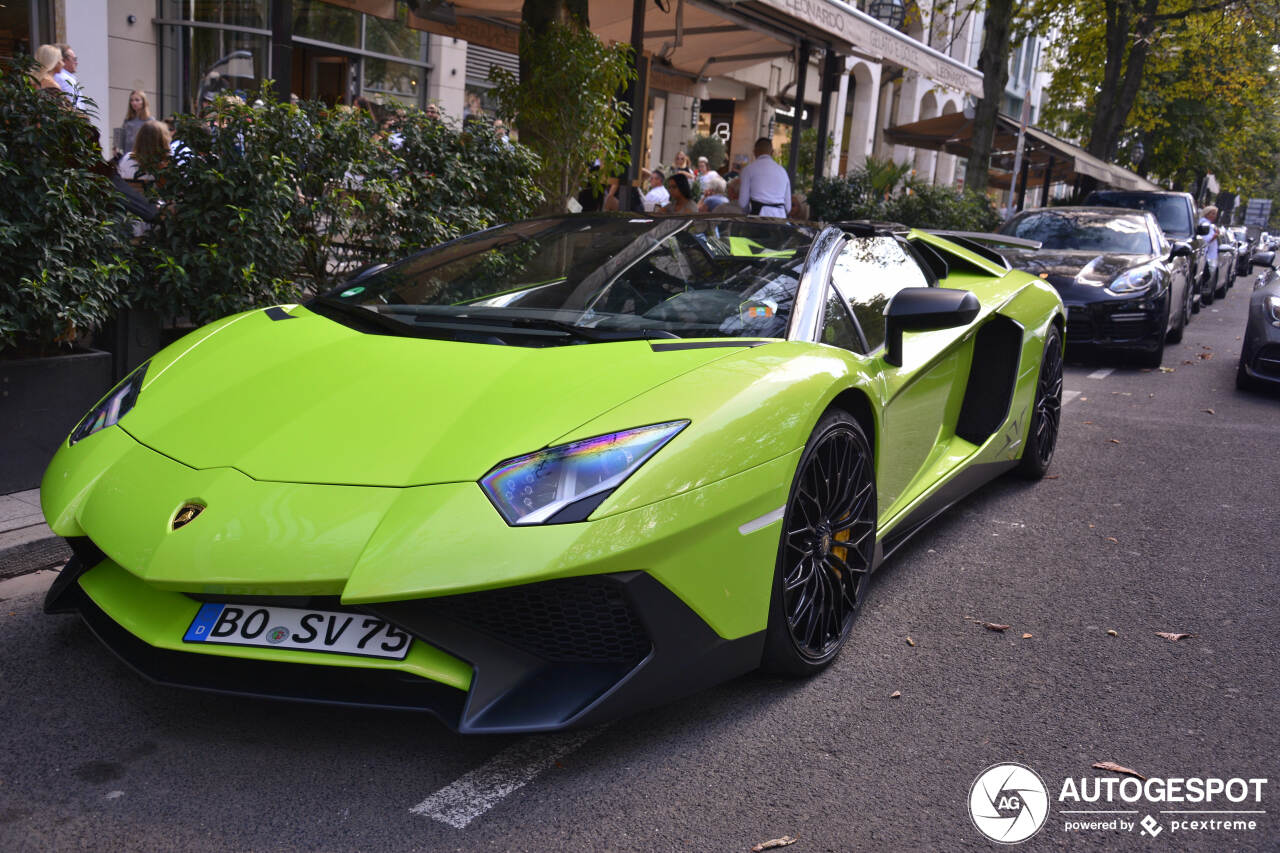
<point x="1203" y="229"/>
<point x="1181" y="250"/>
<point x="1263" y="259"/>
<point x="922" y="309"/>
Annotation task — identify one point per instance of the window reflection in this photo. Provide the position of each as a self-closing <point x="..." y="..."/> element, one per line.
<point x="868" y="273"/>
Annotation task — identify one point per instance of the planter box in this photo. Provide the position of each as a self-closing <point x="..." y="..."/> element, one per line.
<point x="41" y="400"/>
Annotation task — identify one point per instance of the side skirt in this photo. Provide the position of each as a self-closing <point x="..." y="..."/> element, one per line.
<point x="940" y="501"/>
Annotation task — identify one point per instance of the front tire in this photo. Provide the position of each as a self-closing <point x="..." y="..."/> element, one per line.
<point x="1046" y="412"/>
<point x="826" y="549"/>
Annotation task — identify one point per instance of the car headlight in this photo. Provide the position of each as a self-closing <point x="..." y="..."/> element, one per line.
<point x="112" y="407"/>
<point x="566" y="483"/>
<point x="1273" y="307"/>
<point x="1134" y="281"/>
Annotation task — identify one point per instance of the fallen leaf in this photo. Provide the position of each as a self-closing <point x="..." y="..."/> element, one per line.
<point x="1209" y="411"/>
<point x="1113" y="539"/>
<point x="1090" y="526"/>
<point x="1116" y="768"/>
<point x="1150" y="395"/>
<point x="1114" y="440"/>
<point x="1111" y="632"/>
<point x="1173" y="638"/>
<point x="1205" y="355"/>
<point x="1051" y="477"/>
<point x="773" y="843"/>
<point x="897" y="694"/>
<point x="1026" y="636"/>
<point x="1188" y="361"/>
<point x="910" y="642"/>
<point x="1089" y="422"/>
<point x="994" y="626"/>
<point x="1168" y="369"/>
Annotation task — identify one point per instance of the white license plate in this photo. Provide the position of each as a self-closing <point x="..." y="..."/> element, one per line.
<point x="291" y="628"/>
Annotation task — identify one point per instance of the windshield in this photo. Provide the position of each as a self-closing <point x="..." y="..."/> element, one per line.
<point x="579" y="279"/>
<point x="1085" y="232"/>
<point x="1172" y="211"/>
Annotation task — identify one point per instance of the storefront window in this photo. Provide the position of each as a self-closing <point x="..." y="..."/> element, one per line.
<point x="393" y="80"/>
<point x="200" y="64"/>
<point x="394" y="38"/>
<point x="238" y="13"/>
<point x="322" y="22"/>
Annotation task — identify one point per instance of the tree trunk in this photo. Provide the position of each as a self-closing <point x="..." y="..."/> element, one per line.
<point x="993" y="62"/>
<point x="1130" y="25"/>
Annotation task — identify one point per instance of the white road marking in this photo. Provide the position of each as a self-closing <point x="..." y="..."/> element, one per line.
<point x="762" y="522"/>
<point x="1102" y="374"/>
<point x="483" y="788"/>
<point x="27" y="584"/>
<point x="1068" y="396"/>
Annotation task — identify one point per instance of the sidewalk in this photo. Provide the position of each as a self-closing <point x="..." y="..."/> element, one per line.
<point x="26" y="542"/>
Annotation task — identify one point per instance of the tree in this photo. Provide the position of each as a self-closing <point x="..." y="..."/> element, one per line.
<point x="566" y="106"/>
<point x="993" y="62"/>
<point x="1187" y="85"/>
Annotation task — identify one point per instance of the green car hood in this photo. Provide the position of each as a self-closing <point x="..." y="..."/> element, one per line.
<point x="304" y="399"/>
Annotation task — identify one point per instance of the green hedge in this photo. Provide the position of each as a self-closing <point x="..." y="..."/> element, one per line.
<point x="867" y="194"/>
<point x="65" y="257"/>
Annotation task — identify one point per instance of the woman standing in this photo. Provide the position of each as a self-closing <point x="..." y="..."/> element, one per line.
<point x="138" y="115"/>
<point x="48" y="63"/>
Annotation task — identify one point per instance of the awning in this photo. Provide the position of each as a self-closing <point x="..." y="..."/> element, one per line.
<point x="688" y="41"/>
<point x="953" y="133"/>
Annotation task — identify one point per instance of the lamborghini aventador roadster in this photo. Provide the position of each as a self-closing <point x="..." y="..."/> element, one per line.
<point x="555" y="471"/>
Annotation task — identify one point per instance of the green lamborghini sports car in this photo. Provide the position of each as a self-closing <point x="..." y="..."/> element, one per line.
<point x="555" y="471"/>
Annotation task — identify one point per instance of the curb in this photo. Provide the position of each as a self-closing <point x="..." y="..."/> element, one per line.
<point x="46" y="552"/>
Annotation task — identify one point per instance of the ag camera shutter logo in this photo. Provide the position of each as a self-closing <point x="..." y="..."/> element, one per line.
<point x="1008" y="803"/>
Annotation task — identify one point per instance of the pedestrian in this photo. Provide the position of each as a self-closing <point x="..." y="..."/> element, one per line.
<point x="681" y="190"/>
<point x="704" y="173"/>
<point x="714" y="194"/>
<point x="150" y="153"/>
<point x="657" y="196"/>
<point x="765" y="188"/>
<point x="1209" y="282"/>
<point x="680" y="163"/>
<point x="739" y="162"/>
<point x="432" y="111"/>
<point x="67" y="76"/>
<point x="48" y="64"/>
<point x="139" y="113"/>
<point x="731" y="191"/>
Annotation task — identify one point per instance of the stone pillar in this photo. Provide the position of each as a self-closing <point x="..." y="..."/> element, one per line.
<point x="447" y="82"/>
<point x="836" y="120"/>
<point x="866" y="103"/>
<point x="908" y="111"/>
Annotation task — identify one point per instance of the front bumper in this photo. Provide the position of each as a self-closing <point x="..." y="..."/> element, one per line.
<point x="1260" y="353"/>
<point x="1121" y="324"/>
<point x="536" y="657"/>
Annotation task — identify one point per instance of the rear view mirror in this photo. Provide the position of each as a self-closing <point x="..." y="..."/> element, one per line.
<point x="922" y="309"/>
<point x="1181" y="250"/>
<point x="1263" y="259"/>
<point x="1203" y="229"/>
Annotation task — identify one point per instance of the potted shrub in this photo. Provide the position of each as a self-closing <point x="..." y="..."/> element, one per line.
<point x="67" y="265"/>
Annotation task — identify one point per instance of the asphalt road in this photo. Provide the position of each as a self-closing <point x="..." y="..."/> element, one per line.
<point x="1160" y="515"/>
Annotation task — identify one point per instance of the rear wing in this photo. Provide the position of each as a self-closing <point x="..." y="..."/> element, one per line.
<point x="977" y="242"/>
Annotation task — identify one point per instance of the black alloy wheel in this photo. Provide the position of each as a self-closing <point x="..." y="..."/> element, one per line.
<point x="826" y="549"/>
<point x="1046" y="412"/>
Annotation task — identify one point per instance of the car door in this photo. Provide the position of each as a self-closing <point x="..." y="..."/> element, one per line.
<point x="915" y="425"/>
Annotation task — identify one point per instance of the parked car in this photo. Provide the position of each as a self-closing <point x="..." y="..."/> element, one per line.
<point x="1124" y="286"/>
<point x="552" y="472"/>
<point x="1178" y="218"/>
<point x="1259" y="366"/>
<point x="1244" y="250"/>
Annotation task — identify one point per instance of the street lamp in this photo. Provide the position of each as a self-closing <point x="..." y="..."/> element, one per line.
<point x="889" y="12"/>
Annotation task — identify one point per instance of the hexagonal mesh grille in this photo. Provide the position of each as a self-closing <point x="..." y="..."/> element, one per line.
<point x="563" y="621"/>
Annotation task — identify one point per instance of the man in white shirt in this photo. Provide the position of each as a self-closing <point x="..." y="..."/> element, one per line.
<point x="765" y="187"/>
<point x="657" y="196"/>
<point x="66" y="77"/>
